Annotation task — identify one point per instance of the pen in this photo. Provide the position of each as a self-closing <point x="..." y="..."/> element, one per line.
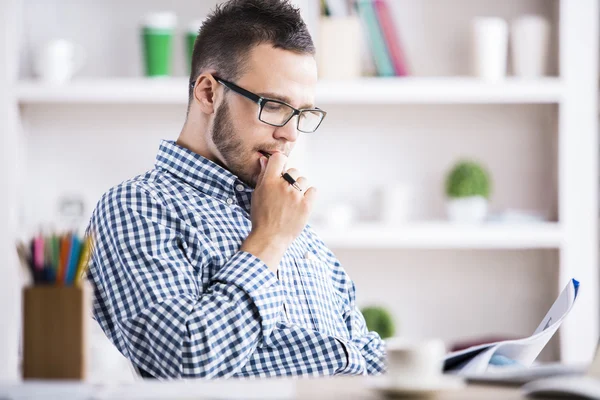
<point x="38" y="258"/>
<point x="285" y="175"/>
<point x="25" y="261"/>
<point x="65" y="249"/>
<point x="84" y="259"/>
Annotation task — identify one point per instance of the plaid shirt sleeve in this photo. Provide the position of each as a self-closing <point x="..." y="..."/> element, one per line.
<point x="364" y="344"/>
<point x="151" y="305"/>
<point x="366" y="350"/>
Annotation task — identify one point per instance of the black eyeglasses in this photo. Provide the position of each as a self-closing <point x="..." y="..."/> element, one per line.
<point x="278" y="113"/>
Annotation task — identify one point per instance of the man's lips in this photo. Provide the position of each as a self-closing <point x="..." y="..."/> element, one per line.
<point x="267" y="154"/>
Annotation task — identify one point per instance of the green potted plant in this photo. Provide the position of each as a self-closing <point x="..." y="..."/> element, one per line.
<point x="380" y="320"/>
<point x="468" y="189"/>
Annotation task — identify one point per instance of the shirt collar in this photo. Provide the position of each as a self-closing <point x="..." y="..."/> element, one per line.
<point x="202" y="173"/>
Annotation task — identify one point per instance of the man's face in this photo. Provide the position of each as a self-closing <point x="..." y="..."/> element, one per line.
<point x="237" y="134"/>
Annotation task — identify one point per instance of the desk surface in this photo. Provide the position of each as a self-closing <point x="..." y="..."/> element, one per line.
<point x="356" y="389"/>
<point x="347" y="388"/>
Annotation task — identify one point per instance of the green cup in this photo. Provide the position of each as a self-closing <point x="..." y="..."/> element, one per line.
<point x="190" y="40"/>
<point x="157" y="36"/>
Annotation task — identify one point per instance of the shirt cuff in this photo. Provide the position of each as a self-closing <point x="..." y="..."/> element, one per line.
<point x="251" y="275"/>
<point x="355" y="364"/>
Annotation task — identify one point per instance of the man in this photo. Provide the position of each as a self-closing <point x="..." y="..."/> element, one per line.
<point x="205" y="265"/>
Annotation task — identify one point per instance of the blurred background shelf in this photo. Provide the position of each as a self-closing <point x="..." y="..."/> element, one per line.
<point x="440" y="90"/>
<point x="441" y="235"/>
<point x="106" y="90"/>
<point x="360" y="91"/>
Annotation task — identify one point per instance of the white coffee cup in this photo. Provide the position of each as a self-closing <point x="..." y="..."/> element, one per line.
<point x="530" y="38"/>
<point x="415" y="361"/>
<point x="490" y="47"/>
<point x="58" y="60"/>
<point x="340" y="215"/>
<point x="395" y="201"/>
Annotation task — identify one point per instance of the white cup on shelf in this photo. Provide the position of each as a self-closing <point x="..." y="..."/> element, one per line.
<point x="530" y="38"/>
<point x="339" y="59"/>
<point x="490" y="47"/>
<point x="340" y="215"/>
<point x="395" y="202"/>
<point x="58" y="60"/>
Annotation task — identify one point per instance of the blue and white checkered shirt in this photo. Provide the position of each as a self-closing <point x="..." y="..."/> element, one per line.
<point x="178" y="298"/>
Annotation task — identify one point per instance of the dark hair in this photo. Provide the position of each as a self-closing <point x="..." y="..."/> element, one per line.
<point x="229" y="33"/>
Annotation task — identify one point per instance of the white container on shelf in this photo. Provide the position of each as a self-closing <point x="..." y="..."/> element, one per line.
<point x="339" y="59"/>
<point x="490" y="47"/>
<point x="395" y="203"/>
<point x="473" y="209"/>
<point x="340" y="215"/>
<point x="530" y="38"/>
<point x="58" y="60"/>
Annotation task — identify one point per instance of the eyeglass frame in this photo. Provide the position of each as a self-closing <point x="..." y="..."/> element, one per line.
<point x="262" y="100"/>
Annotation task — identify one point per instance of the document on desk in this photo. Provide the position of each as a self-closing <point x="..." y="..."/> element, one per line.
<point x="476" y="360"/>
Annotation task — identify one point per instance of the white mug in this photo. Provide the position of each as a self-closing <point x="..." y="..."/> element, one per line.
<point x="417" y="362"/>
<point x="395" y="200"/>
<point x="490" y="47"/>
<point x="530" y="37"/>
<point x="58" y="60"/>
<point x="340" y="215"/>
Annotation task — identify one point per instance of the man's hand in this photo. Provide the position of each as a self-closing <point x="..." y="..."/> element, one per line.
<point x="279" y="211"/>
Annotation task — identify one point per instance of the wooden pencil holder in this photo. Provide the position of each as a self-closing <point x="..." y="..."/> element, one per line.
<point x="55" y="330"/>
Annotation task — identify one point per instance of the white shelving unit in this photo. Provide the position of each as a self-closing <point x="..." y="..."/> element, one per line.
<point x="440" y="235"/>
<point x="574" y="236"/>
<point x="372" y="91"/>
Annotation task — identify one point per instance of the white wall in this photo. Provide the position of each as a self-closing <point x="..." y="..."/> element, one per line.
<point x="9" y="145"/>
<point x="458" y="295"/>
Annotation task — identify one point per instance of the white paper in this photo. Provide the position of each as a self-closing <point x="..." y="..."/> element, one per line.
<point x="476" y="360"/>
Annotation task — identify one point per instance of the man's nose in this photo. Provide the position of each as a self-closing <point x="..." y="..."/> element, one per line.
<point x="289" y="131"/>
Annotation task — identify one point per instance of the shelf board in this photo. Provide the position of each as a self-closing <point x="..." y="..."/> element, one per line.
<point x="442" y="90"/>
<point x="411" y="90"/>
<point x="444" y="235"/>
<point x="106" y="91"/>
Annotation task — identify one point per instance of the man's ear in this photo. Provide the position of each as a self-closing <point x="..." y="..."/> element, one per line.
<point x="204" y="92"/>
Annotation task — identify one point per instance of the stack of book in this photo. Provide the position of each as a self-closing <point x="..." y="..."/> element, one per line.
<point x="382" y="37"/>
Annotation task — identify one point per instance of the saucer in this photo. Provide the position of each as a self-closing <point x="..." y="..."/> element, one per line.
<point x="410" y="388"/>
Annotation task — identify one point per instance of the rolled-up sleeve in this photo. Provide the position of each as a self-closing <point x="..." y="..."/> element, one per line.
<point x="366" y="350"/>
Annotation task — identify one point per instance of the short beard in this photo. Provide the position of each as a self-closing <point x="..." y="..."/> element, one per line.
<point x="230" y="146"/>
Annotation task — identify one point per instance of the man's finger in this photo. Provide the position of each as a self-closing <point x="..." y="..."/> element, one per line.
<point x="310" y="196"/>
<point x="302" y="183"/>
<point x="276" y="165"/>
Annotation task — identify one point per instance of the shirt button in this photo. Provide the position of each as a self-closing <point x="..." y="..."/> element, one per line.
<point x="239" y="187"/>
<point x="308" y="255"/>
<point x="230" y="201"/>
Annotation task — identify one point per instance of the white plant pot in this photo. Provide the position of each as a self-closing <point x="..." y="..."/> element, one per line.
<point x="472" y="209"/>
